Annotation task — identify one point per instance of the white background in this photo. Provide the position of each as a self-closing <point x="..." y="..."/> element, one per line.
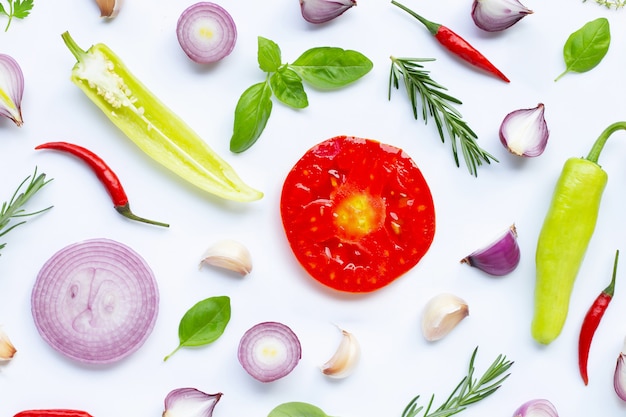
<point x="397" y="363"/>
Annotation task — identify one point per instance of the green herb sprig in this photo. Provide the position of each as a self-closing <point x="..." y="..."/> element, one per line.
<point x="467" y="392"/>
<point x="435" y="103"/>
<point x="17" y="9"/>
<point x="13" y="208"/>
<point x="610" y="4"/>
<point x="324" y="68"/>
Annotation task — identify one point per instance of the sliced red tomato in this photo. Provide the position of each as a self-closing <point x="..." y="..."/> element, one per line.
<point x="357" y="213"/>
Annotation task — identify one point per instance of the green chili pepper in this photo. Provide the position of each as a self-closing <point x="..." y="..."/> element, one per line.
<point x="565" y="236"/>
<point x="153" y="127"/>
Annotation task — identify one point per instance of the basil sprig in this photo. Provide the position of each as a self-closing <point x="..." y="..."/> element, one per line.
<point x="324" y="68"/>
<point x="586" y="47"/>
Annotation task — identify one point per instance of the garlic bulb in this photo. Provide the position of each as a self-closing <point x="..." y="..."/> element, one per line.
<point x="7" y="350"/>
<point x="497" y="15"/>
<point x="229" y="254"/>
<point x="322" y="11"/>
<point x="498" y="258"/>
<point x="525" y="132"/>
<point x="441" y="314"/>
<point x="346" y="357"/>
<point x="109" y="8"/>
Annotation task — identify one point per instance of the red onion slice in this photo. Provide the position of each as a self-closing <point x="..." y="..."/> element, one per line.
<point x="269" y="351"/>
<point x="206" y="32"/>
<point x="95" y="301"/>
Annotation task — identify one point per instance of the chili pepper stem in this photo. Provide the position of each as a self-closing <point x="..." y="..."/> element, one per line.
<point x="76" y="50"/>
<point x="431" y="26"/>
<point x="610" y="290"/>
<point x="126" y="212"/>
<point x="597" y="147"/>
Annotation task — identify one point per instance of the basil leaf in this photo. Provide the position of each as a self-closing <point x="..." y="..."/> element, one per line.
<point x="203" y="323"/>
<point x="268" y="55"/>
<point x="585" y="48"/>
<point x="251" y="114"/>
<point x="287" y="87"/>
<point x="297" y="409"/>
<point x="330" y="67"/>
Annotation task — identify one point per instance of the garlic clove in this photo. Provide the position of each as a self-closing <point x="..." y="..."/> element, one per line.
<point x="109" y="8"/>
<point x="228" y="254"/>
<point x="7" y="350"/>
<point x="525" y="132"/>
<point x="322" y="11"/>
<point x="346" y="357"/>
<point x="619" y="377"/>
<point x="500" y="257"/>
<point x="11" y="89"/>
<point x="190" y="402"/>
<point x="536" y="408"/>
<point x="441" y="314"/>
<point x="497" y="15"/>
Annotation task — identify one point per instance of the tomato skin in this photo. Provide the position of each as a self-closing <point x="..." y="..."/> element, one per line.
<point x="357" y="213"/>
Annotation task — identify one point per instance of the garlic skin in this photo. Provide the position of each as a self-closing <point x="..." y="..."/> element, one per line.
<point x="109" y="8"/>
<point x="619" y="378"/>
<point x="524" y="132"/>
<point x="500" y="257"/>
<point x="536" y="408"/>
<point x="441" y="314"/>
<point x="322" y="11"/>
<point x="345" y="359"/>
<point x="228" y="254"/>
<point x="7" y="350"/>
<point x="11" y="89"/>
<point x="497" y="15"/>
<point x="190" y="402"/>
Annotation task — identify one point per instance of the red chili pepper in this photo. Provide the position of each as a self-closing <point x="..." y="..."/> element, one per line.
<point x="105" y="174"/>
<point x="61" y="412"/>
<point x="591" y="322"/>
<point x="456" y="44"/>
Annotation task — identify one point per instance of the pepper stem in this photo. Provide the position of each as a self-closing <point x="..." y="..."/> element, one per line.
<point x="595" y="151"/>
<point x="125" y="211"/>
<point x="432" y="27"/>
<point x="610" y="290"/>
<point x="76" y="50"/>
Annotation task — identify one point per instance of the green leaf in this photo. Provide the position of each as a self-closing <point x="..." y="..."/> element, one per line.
<point x="203" y="323"/>
<point x="21" y="9"/>
<point x="269" y="55"/>
<point x="297" y="409"/>
<point x="251" y="114"/>
<point x="330" y="67"/>
<point x="287" y="87"/>
<point x="586" y="47"/>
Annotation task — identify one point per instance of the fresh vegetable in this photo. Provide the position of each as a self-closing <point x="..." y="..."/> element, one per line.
<point x="109" y="8"/>
<point x="442" y="314"/>
<point x="619" y="377"/>
<point x="536" y="408"/>
<point x="95" y="301"/>
<point x="203" y="323"/>
<point x="12" y="209"/>
<point x="228" y="254"/>
<point x="105" y="174"/>
<point x="565" y="235"/>
<point x="498" y="258"/>
<point x="524" y="132"/>
<point x="322" y="11"/>
<point x="610" y="4"/>
<point x="297" y="409"/>
<point x="7" y="350"/>
<point x="206" y="32"/>
<point x="592" y="321"/>
<point x="154" y="128"/>
<point x="323" y="68"/>
<point x="586" y="47"/>
<point x="438" y="105"/>
<point x="269" y="351"/>
<point x="357" y="213"/>
<point x="497" y="15"/>
<point x="190" y="402"/>
<point x="455" y="44"/>
<point x="11" y="89"/>
<point x="59" y="412"/>
<point x="467" y="392"/>
<point x="16" y="9"/>
<point x="345" y="359"/>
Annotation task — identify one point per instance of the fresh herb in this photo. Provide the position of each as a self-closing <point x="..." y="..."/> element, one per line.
<point x="617" y="4"/>
<point x="297" y="409"/>
<point x="323" y="68"/>
<point x="13" y="208"/>
<point x="431" y="96"/>
<point x="203" y="323"/>
<point x="586" y="47"/>
<point x="468" y="391"/>
<point x="18" y="9"/>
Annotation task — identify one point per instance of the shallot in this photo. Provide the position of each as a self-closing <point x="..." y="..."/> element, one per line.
<point x="206" y="32"/>
<point x="322" y="11"/>
<point x="190" y="402"/>
<point x="497" y="15"/>
<point x="524" y="132"/>
<point x="11" y="89"/>
<point x="498" y="258"/>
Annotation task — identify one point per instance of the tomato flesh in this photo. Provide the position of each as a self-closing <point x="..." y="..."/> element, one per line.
<point x="357" y="213"/>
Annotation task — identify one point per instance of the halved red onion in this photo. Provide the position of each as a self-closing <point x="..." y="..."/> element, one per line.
<point x="206" y="32"/>
<point x="524" y="132"/>
<point x="269" y="351"/>
<point x="190" y="402"/>
<point x="95" y="301"/>
<point x="11" y="89"/>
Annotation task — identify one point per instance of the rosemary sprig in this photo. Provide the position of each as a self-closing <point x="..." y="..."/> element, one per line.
<point x="431" y="96"/>
<point x="467" y="392"/>
<point x="13" y="208"/>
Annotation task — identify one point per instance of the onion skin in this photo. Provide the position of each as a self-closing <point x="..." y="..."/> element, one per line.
<point x="11" y="89"/>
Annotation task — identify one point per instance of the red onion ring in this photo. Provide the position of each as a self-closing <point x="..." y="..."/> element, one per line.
<point x="95" y="301"/>
<point x="206" y="32"/>
<point x="269" y="351"/>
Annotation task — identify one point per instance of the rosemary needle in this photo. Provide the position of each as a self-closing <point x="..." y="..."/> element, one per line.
<point x="435" y="103"/>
